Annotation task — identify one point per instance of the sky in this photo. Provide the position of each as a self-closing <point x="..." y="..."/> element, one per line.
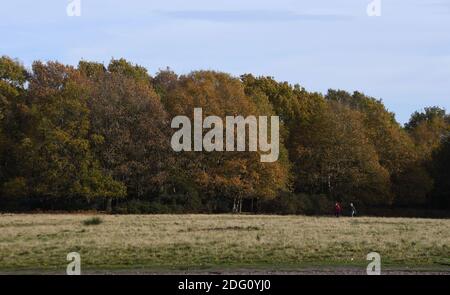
<point x="401" y="56"/>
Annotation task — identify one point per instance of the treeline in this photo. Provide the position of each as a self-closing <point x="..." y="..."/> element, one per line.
<point x="97" y="137"/>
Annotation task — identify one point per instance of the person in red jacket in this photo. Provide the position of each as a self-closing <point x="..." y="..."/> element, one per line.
<point x="337" y="209"/>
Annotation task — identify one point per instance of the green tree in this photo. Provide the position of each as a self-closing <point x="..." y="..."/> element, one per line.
<point x="334" y="156"/>
<point x="428" y="128"/>
<point x="430" y="131"/>
<point x="129" y="127"/>
<point x="409" y="180"/>
<point x="13" y="112"/>
<point x="55" y="154"/>
<point x="127" y="69"/>
<point x="440" y="197"/>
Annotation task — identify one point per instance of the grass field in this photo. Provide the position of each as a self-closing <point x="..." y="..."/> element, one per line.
<point x="196" y="242"/>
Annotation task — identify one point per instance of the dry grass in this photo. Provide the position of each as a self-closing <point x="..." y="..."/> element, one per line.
<point x="219" y="241"/>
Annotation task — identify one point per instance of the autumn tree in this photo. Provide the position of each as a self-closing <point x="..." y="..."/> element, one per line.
<point x="231" y="175"/>
<point x="410" y="181"/>
<point x="334" y="156"/>
<point x="56" y="159"/>
<point x="13" y="113"/>
<point x="129" y="127"/>
<point x="292" y="103"/>
<point x="428" y="129"/>
<point x="440" y="196"/>
<point x="100" y="133"/>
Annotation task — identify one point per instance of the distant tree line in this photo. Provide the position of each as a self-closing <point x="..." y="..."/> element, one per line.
<point x="97" y="137"/>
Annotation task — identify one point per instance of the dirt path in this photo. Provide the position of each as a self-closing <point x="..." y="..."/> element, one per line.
<point x="307" y="271"/>
<point x="330" y="271"/>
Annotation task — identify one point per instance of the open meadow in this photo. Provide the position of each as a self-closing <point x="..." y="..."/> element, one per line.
<point x="39" y="243"/>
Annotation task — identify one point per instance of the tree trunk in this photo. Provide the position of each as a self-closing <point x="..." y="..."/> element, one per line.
<point x="109" y="205"/>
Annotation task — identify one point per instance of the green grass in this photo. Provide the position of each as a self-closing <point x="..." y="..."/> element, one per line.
<point x="180" y="242"/>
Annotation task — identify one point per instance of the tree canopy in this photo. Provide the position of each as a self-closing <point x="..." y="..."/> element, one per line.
<point x="98" y="136"/>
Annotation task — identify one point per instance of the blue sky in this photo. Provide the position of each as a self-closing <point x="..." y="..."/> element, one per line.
<point x="402" y="57"/>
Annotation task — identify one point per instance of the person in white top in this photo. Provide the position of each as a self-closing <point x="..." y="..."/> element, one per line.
<point x="353" y="209"/>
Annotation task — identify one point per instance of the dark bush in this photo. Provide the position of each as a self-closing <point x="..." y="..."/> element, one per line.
<point x="93" y="221"/>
